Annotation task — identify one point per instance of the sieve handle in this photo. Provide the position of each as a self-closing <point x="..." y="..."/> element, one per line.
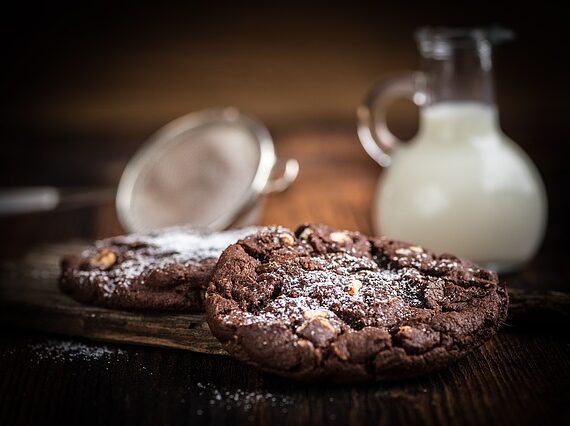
<point x="283" y="174"/>
<point x="15" y="201"/>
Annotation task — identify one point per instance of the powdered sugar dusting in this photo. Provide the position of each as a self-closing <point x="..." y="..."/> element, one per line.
<point x="140" y="254"/>
<point x="69" y="350"/>
<point x="189" y="243"/>
<point x="327" y="286"/>
<point x="242" y="399"/>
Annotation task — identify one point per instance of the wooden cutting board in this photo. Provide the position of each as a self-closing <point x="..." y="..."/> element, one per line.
<point x="29" y="297"/>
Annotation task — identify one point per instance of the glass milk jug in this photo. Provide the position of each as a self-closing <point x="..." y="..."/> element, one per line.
<point x="460" y="185"/>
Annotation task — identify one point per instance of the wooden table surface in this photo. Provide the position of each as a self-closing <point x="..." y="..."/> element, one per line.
<point x="520" y="377"/>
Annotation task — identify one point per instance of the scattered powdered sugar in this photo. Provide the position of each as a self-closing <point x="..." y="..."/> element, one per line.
<point x="197" y="245"/>
<point x="444" y="265"/>
<point x="343" y="288"/>
<point x="69" y="350"/>
<point x="242" y="399"/>
<point x="345" y="263"/>
<point x="156" y="250"/>
<point x="402" y="283"/>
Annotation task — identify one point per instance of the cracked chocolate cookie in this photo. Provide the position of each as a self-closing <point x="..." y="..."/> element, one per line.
<point x="338" y="305"/>
<point x="167" y="270"/>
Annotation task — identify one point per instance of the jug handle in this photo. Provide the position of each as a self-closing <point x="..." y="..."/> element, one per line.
<point x="375" y="136"/>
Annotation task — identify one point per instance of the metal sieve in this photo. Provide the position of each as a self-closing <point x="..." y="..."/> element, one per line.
<point x="208" y="169"/>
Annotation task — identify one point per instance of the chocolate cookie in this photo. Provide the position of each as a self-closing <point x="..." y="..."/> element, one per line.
<point x="167" y="270"/>
<point x="327" y="304"/>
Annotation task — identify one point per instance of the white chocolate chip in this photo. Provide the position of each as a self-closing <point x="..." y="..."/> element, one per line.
<point x="305" y="234"/>
<point x="403" y="251"/>
<point x="304" y="343"/>
<point x="287" y="239"/>
<point x="340" y="351"/>
<point x="340" y="237"/>
<point x="417" y="249"/>
<point x="314" y="313"/>
<point x="354" y="287"/>
<point x="104" y="259"/>
<point x="318" y="320"/>
<point x="325" y="323"/>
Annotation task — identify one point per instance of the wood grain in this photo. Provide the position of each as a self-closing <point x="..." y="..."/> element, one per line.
<point x="539" y="308"/>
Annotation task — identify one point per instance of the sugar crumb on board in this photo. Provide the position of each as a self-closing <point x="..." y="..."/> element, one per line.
<point x="242" y="399"/>
<point x="70" y="350"/>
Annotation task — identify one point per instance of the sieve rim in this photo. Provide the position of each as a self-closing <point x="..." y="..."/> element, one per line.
<point x="173" y="129"/>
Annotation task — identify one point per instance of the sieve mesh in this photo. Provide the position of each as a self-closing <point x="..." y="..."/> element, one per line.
<point x="195" y="177"/>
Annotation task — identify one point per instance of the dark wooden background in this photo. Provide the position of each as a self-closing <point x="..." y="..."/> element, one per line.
<point x="82" y="89"/>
